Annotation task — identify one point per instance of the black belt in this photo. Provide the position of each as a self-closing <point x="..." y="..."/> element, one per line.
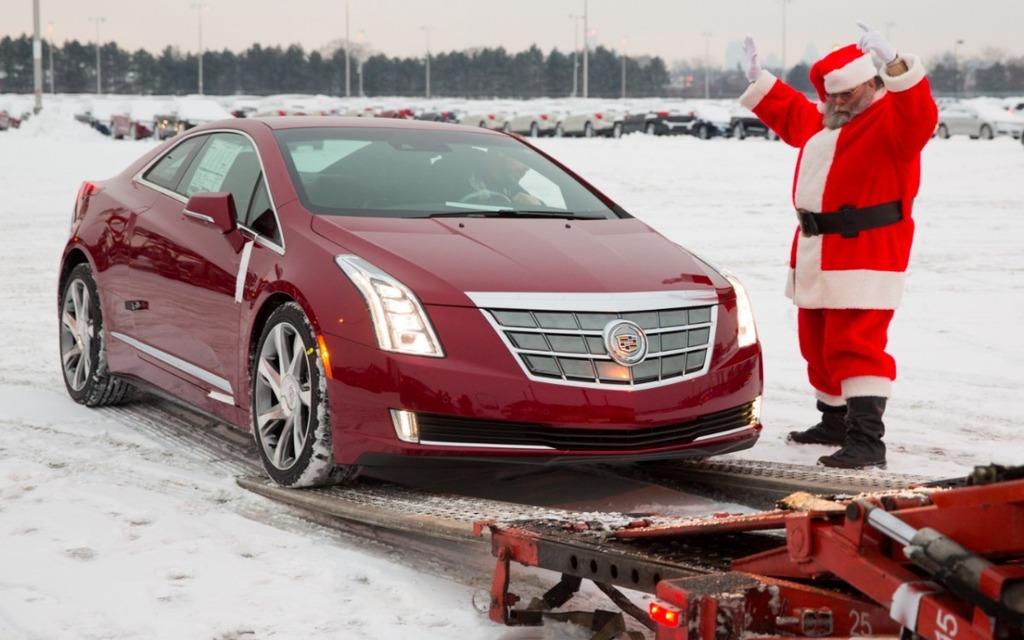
<point x="849" y="221"/>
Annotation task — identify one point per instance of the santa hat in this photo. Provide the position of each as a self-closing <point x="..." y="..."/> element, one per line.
<point x="842" y="70"/>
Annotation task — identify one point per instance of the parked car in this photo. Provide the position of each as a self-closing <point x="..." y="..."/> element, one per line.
<point x="588" y="122"/>
<point x="167" y="125"/>
<point x="978" y="120"/>
<point x="744" y="123"/>
<point x="193" y="111"/>
<point x="532" y="122"/>
<point x="710" y="121"/>
<point x="346" y="289"/>
<point x="487" y="116"/>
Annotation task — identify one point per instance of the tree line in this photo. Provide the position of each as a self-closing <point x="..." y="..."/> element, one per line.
<point x="476" y="73"/>
<point x="485" y="72"/>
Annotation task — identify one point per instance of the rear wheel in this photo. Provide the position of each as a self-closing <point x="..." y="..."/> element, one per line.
<point x="534" y="130"/>
<point x="617" y="130"/>
<point x="82" y="350"/>
<point x="943" y="132"/>
<point x="741" y="131"/>
<point x="985" y="132"/>
<point x="291" y="420"/>
<point x="703" y="132"/>
<point x="588" y="130"/>
<point x="651" y="129"/>
<point x="559" y="130"/>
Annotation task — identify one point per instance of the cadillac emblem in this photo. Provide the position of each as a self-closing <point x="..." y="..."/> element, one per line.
<point x="625" y="342"/>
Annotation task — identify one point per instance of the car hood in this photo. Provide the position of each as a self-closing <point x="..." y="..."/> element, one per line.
<point x="442" y="259"/>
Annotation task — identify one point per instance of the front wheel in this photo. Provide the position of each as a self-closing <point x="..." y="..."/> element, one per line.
<point x="83" y="353"/>
<point x="588" y="130"/>
<point x="290" y="416"/>
<point x="943" y="132"/>
<point x="985" y="132"/>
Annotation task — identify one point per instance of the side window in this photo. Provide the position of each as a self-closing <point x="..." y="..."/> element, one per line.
<point x="227" y="163"/>
<point x="260" y="217"/>
<point x="168" y="169"/>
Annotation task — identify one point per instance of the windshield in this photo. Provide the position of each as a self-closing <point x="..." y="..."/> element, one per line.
<point x="399" y="172"/>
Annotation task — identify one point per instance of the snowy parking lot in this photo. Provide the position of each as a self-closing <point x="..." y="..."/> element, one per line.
<point x="109" y="533"/>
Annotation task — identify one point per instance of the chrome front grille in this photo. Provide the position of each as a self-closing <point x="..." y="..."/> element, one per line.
<point x="567" y="346"/>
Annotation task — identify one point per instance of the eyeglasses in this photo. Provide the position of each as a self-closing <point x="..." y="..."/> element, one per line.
<point x="845" y="96"/>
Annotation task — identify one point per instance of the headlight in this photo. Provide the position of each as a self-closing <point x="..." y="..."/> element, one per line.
<point x="746" y="329"/>
<point x="399" y="320"/>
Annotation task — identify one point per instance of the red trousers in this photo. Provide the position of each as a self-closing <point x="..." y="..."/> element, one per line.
<point x="839" y="344"/>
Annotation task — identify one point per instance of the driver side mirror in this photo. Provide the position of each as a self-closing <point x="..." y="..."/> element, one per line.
<point x="218" y="210"/>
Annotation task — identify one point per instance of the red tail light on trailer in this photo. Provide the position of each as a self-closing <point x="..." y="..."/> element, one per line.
<point x="665" y="615"/>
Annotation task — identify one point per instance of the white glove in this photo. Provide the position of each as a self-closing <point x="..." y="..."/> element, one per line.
<point x="753" y="64"/>
<point x="874" y="42"/>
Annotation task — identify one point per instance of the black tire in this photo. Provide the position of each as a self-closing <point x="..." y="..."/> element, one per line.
<point x="651" y="129"/>
<point x="943" y="132"/>
<point x="617" y="130"/>
<point x="534" y="130"/>
<point x="292" y="432"/>
<point x="985" y="133"/>
<point x="588" y="130"/>
<point x="559" y="131"/>
<point x="741" y="131"/>
<point x="704" y="132"/>
<point x="82" y="343"/>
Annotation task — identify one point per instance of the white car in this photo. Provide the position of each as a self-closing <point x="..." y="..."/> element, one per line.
<point x="588" y="122"/>
<point x="979" y="120"/>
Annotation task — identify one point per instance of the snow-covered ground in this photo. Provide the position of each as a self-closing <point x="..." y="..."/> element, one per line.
<point x="110" y="533"/>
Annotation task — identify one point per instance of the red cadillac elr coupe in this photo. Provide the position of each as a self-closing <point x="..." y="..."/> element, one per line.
<point x="361" y="292"/>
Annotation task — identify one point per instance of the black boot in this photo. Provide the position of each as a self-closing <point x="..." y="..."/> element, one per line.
<point x="863" y="446"/>
<point x="831" y="429"/>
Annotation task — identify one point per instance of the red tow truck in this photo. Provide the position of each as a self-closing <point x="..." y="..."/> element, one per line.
<point x="944" y="562"/>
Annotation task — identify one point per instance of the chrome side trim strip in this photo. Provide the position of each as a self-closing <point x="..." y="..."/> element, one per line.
<point x="177" y="363"/>
<point x="198" y="216"/>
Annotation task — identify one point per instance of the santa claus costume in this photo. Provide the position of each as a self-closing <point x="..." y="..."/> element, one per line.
<point x="853" y="192"/>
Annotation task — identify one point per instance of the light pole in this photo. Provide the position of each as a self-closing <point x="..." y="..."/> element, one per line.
<point x="782" y="75"/>
<point x="624" y="68"/>
<point x="575" y="53"/>
<point x="586" y="47"/>
<point x="99" y="69"/>
<point x="359" y="62"/>
<point x="428" y="30"/>
<point x="348" y="45"/>
<point x="37" y="59"/>
<point x="956" y="67"/>
<point x="49" y="36"/>
<point x="707" y="65"/>
<point x="199" y="12"/>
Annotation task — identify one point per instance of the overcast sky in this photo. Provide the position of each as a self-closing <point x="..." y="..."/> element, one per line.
<point x="672" y="29"/>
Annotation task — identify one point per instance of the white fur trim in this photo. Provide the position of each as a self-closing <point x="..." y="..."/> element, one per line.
<point x="914" y="74"/>
<point x="867" y="386"/>
<point x="811" y="288"/>
<point x="758" y="90"/>
<point x="832" y="401"/>
<point x="849" y="76"/>
<point x="815" y="164"/>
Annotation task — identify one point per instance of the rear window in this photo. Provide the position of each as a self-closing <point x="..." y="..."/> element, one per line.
<point x="385" y="172"/>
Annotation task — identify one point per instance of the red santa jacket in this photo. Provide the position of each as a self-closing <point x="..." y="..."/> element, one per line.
<point x="873" y="159"/>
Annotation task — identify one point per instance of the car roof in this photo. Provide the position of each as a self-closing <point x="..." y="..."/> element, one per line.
<point x="280" y="123"/>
